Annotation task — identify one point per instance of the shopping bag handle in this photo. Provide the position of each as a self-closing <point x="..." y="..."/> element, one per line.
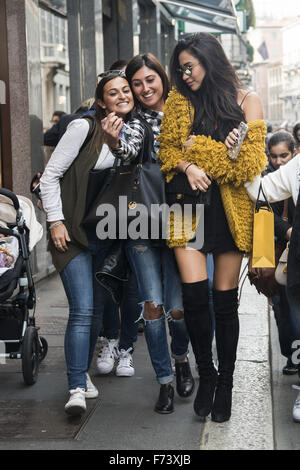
<point x="262" y="204"/>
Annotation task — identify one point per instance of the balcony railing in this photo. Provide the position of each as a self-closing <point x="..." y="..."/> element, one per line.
<point x="54" y="53"/>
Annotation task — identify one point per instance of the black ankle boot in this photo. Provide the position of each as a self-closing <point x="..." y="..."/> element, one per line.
<point x="185" y="383"/>
<point x="164" y="404"/>
<point x="221" y="410"/>
<point x="199" y="325"/>
<point x="205" y="395"/>
<point x="227" y="334"/>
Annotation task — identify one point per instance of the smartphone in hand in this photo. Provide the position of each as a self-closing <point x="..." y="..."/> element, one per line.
<point x="234" y="152"/>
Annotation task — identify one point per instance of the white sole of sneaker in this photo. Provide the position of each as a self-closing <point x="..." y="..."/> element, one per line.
<point x="124" y="374"/>
<point x="94" y="394"/>
<point x="75" y="410"/>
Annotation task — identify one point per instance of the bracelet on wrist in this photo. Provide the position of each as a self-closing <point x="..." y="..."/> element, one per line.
<point x="188" y="167"/>
<point x="55" y="224"/>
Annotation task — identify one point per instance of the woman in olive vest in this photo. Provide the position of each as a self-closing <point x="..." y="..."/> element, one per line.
<point x="76" y="252"/>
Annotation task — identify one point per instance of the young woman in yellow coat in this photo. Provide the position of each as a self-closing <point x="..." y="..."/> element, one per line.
<point x="200" y="123"/>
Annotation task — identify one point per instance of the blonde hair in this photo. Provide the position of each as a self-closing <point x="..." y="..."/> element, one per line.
<point x="87" y="103"/>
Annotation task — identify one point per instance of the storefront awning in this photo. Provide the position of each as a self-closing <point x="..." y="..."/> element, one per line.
<point x="211" y="15"/>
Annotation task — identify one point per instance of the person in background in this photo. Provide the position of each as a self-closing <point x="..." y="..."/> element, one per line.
<point x="56" y="117"/>
<point x="296" y="134"/>
<point x="281" y="149"/>
<point x="53" y="135"/>
<point x="119" y="65"/>
<point x="278" y="186"/>
<point x="269" y="134"/>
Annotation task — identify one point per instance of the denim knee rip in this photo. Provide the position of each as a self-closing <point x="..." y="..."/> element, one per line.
<point x="167" y="315"/>
<point x="170" y="318"/>
<point x="156" y="304"/>
<point x="180" y="347"/>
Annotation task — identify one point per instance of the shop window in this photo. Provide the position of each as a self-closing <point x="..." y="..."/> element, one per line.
<point x="54" y="55"/>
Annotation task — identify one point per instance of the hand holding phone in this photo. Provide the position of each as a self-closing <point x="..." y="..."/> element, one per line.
<point x="242" y="130"/>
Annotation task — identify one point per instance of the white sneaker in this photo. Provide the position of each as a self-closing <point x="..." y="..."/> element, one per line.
<point x="91" y="390"/>
<point x="107" y="355"/>
<point x="76" y="404"/>
<point x="125" y="364"/>
<point x="296" y="409"/>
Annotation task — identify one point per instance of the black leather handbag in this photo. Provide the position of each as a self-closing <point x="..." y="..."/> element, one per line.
<point x="96" y="182"/>
<point x="142" y="182"/>
<point x="179" y="191"/>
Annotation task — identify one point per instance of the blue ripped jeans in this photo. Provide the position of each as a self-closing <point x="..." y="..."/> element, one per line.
<point x="159" y="282"/>
<point x="87" y="302"/>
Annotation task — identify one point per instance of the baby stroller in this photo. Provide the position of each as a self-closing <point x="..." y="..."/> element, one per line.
<point x="19" y="338"/>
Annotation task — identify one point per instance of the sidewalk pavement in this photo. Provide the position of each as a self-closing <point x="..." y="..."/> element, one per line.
<point x="122" y="418"/>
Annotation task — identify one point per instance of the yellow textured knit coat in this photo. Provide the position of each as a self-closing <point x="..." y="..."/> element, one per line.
<point x="212" y="156"/>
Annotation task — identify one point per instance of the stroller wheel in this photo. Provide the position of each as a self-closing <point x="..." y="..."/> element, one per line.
<point x="30" y="355"/>
<point x="43" y="348"/>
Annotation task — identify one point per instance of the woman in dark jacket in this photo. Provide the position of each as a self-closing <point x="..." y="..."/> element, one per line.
<point x="281" y="149"/>
<point x="278" y="186"/>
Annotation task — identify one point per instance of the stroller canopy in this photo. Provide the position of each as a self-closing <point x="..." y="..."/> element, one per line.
<point x="8" y="215"/>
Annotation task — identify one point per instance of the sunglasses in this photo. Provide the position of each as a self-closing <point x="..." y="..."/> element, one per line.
<point x="112" y="72"/>
<point x="187" y="70"/>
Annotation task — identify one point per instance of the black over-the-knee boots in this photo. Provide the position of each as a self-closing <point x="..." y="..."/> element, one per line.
<point x="227" y="334"/>
<point x="199" y="325"/>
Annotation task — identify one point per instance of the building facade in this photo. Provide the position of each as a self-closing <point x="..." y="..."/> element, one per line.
<point x="276" y="68"/>
<point x="267" y="68"/>
<point x="291" y="71"/>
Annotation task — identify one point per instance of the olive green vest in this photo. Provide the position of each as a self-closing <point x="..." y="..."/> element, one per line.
<point x="74" y="185"/>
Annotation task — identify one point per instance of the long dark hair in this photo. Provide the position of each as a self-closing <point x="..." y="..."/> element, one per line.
<point x="215" y="102"/>
<point x="150" y="61"/>
<point x="296" y="128"/>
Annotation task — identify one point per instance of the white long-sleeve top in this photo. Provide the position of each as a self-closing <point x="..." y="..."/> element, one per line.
<point x="67" y="150"/>
<point x="61" y="159"/>
<point x="280" y="184"/>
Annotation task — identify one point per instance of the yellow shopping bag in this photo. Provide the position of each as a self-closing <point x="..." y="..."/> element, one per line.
<point x="263" y="251"/>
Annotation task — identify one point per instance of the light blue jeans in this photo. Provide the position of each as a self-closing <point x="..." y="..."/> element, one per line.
<point x="159" y="282"/>
<point x="87" y="302"/>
